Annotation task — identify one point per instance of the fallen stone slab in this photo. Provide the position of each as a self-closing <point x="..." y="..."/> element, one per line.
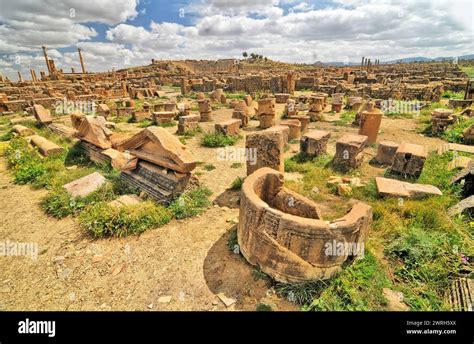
<point x="455" y="147"/>
<point x="158" y="146"/>
<point x="41" y="114"/>
<point x="46" y="147"/>
<point x="395" y="188"/>
<point x="63" y="130"/>
<point x="121" y="161"/>
<point x="465" y="204"/>
<point x="126" y="200"/>
<point x="459" y="162"/>
<point x="22" y="130"/>
<point x="86" y="185"/>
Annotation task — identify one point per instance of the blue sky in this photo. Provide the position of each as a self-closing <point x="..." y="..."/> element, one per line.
<point x="122" y="33"/>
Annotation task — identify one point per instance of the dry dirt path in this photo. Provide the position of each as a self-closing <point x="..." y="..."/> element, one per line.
<point x="180" y="266"/>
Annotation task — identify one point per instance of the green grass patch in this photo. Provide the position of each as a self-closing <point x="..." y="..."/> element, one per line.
<point x="209" y="167"/>
<point x="102" y="219"/>
<point x="236" y="165"/>
<point x="237" y="183"/>
<point x="345" y="118"/>
<point x="218" y="140"/>
<point x="453" y="95"/>
<point x="190" y="203"/>
<point x="454" y="132"/>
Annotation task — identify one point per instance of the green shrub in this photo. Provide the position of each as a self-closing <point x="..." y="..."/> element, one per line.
<point x="209" y="167"/>
<point x="357" y="288"/>
<point x="29" y="172"/>
<point x="232" y="242"/>
<point x="58" y="203"/>
<point x="190" y="203"/>
<point x="218" y="140"/>
<point x="237" y="183"/>
<point x="7" y="136"/>
<point x="454" y="133"/>
<point x="102" y="219"/>
<point x="261" y="307"/>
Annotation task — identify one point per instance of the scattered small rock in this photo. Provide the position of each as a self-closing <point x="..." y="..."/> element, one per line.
<point x="228" y="301"/>
<point x="164" y="299"/>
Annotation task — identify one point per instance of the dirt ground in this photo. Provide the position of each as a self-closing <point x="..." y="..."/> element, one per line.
<point x="180" y="266"/>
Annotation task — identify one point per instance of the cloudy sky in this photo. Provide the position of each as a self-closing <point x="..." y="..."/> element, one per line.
<point x="121" y="33"/>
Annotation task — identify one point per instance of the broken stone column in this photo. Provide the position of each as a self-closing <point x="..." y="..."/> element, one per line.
<point x="266" y="113"/>
<point x="370" y="124"/>
<point x="22" y="130"/>
<point x="385" y="152"/>
<point x="295" y="128"/>
<point x="304" y="120"/>
<point x="409" y="159"/>
<point x="244" y="119"/>
<point x="441" y="119"/>
<point x="230" y="127"/>
<point x="45" y="147"/>
<point x="269" y="147"/>
<point x="367" y="105"/>
<point x="314" y="142"/>
<point x="205" y="110"/>
<point x="284" y="234"/>
<point x="350" y="151"/>
<point x="315" y="108"/>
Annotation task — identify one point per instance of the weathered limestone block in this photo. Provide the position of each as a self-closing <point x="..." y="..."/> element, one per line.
<point x="121" y="161"/>
<point x="295" y="128"/>
<point x="314" y="142"/>
<point x="205" y="110"/>
<point x="188" y="123"/>
<point x="409" y="159"/>
<point x="22" y="130"/>
<point x="229" y="127"/>
<point x="161" y="117"/>
<point x="370" y="124"/>
<point x="63" y="130"/>
<point x="158" y="146"/>
<point x="350" y="151"/>
<point x="396" y="188"/>
<point x="103" y="110"/>
<point x="46" y="147"/>
<point x="283" y="233"/>
<point x="281" y="98"/>
<point x="41" y="114"/>
<point x="385" y="152"/>
<point x="86" y="185"/>
<point x="92" y="129"/>
<point x="244" y="119"/>
<point x="283" y="129"/>
<point x="269" y="147"/>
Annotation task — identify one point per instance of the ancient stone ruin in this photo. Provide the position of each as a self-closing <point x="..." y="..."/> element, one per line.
<point x="283" y="233"/>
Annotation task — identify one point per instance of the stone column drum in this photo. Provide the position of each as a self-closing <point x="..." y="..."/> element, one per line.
<point x="283" y="233"/>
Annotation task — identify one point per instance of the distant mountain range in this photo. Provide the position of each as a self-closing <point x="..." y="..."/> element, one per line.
<point x="406" y="60"/>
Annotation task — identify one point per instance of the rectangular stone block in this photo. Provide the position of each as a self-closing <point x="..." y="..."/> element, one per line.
<point x="269" y="146"/>
<point x="386" y="151"/>
<point x="314" y="142"/>
<point x="409" y="159"/>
